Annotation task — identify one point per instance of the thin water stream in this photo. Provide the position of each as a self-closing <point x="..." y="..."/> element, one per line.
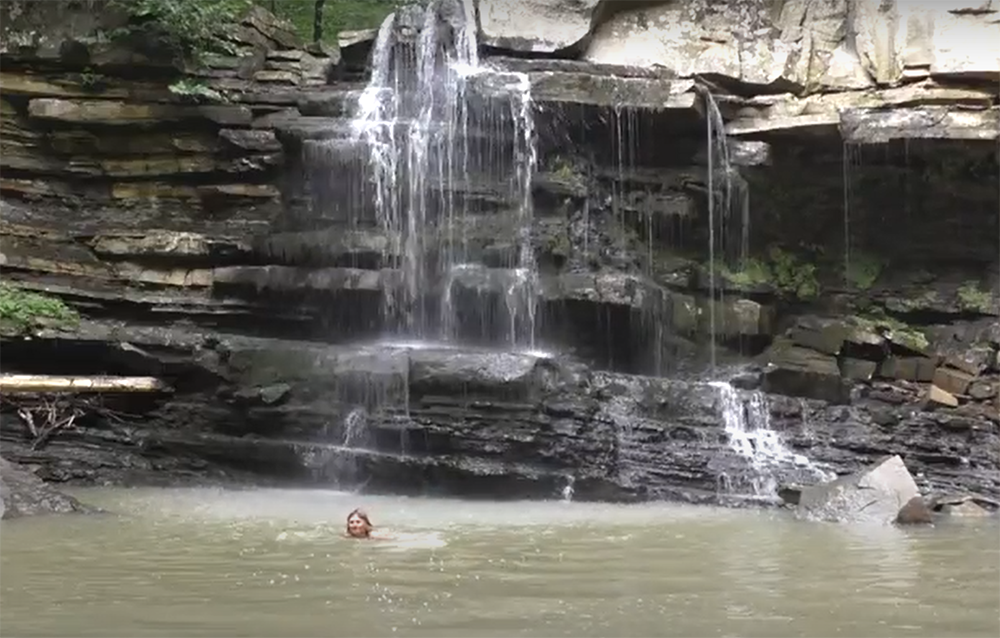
<point x="272" y="563"/>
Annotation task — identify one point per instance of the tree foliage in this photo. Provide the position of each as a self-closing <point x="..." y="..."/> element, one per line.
<point x="337" y="15"/>
<point x="191" y="26"/>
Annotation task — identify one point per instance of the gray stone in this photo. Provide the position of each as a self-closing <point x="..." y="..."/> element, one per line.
<point x="972" y="361"/>
<point x="982" y="390"/>
<point x="539" y="26"/>
<point x="872" y="495"/>
<point x="823" y="335"/>
<point x="24" y="494"/>
<point x="857" y="369"/>
<point x="951" y="380"/>
<point x="907" y="368"/>
<point x="802" y="372"/>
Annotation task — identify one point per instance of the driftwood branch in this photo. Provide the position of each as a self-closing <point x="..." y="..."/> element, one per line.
<point x="46" y="415"/>
<point x="49" y="404"/>
<point x="34" y="383"/>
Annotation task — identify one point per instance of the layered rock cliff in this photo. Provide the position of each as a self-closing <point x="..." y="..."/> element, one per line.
<point x="809" y="187"/>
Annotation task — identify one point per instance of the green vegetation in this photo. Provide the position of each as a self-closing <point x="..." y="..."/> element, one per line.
<point x="875" y="320"/>
<point x="91" y="80"/>
<point x="785" y="272"/>
<point x="862" y="270"/>
<point x="562" y="168"/>
<point x="972" y="299"/>
<point x="193" y="27"/>
<point x="924" y="301"/>
<point x="195" y="90"/>
<point x="22" y="310"/>
<point x="337" y="15"/>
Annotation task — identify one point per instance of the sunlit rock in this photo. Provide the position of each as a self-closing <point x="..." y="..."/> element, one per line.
<point x="539" y="26"/>
<point x="941" y="397"/>
<point x="873" y="495"/>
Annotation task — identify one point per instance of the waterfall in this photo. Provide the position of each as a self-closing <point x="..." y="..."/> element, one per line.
<point x="747" y="420"/>
<point x="416" y="120"/>
<point x="356" y="437"/>
<point x="526" y="162"/>
<point x="566" y="493"/>
<point x="720" y="165"/>
<point x="409" y="117"/>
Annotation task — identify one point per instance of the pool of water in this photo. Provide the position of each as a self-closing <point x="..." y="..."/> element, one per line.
<point x="202" y="562"/>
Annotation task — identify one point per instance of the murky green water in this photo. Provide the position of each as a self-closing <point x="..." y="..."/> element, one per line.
<point x="272" y="563"/>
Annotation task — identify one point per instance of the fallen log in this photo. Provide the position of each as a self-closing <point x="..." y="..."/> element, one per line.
<point x="52" y="384"/>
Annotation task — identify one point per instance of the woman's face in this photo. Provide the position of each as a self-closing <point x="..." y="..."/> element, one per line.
<point x="357" y="527"/>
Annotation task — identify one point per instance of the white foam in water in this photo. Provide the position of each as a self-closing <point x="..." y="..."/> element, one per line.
<point x="747" y="421"/>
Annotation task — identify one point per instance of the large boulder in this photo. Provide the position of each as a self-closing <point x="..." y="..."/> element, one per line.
<point x="540" y="26"/>
<point x="24" y="494"/>
<point x="872" y="495"/>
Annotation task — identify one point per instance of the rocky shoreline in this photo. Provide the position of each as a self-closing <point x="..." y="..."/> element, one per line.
<point x="206" y="244"/>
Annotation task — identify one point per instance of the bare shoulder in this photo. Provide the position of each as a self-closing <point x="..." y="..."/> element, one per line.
<point x="381" y="535"/>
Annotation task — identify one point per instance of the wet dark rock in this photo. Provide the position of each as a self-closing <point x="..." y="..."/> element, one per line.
<point x="796" y="371"/>
<point x="790" y="494"/>
<point x="907" y="368"/>
<point x="748" y="380"/>
<point x="915" y="512"/>
<point x="857" y="369"/>
<point x="22" y="493"/>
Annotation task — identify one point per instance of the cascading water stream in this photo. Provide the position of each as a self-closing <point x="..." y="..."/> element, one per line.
<point x="723" y="199"/>
<point x="747" y="421"/>
<point x="415" y="119"/>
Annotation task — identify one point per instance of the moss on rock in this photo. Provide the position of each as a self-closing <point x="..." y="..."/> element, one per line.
<point x="22" y="310"/>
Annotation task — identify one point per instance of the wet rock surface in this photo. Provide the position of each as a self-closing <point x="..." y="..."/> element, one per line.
<point x="232" y="249"/>
<point x="876" y="494"/>
<point x="25" y="494"/>
<point x="447" y="420"/>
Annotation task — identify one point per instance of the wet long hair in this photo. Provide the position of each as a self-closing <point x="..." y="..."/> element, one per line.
<point x="360" y="513"/>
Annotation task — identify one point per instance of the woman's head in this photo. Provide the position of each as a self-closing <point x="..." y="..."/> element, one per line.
<point x="358" y="524"/>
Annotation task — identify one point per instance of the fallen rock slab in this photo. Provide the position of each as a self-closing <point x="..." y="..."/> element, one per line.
<point x="941" y="397"/>
<point x="873" y="495"/>
<point x="24" y="494"/>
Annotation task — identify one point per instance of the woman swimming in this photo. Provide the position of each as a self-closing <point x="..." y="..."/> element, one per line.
<point x="360" y="526"/>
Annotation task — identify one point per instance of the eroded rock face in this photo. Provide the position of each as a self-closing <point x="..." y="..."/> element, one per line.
<point x="446" y="420"/>
<point x="810" y="43"/>
<point x="24" y="494"/>
<point x="233" y="248"/>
